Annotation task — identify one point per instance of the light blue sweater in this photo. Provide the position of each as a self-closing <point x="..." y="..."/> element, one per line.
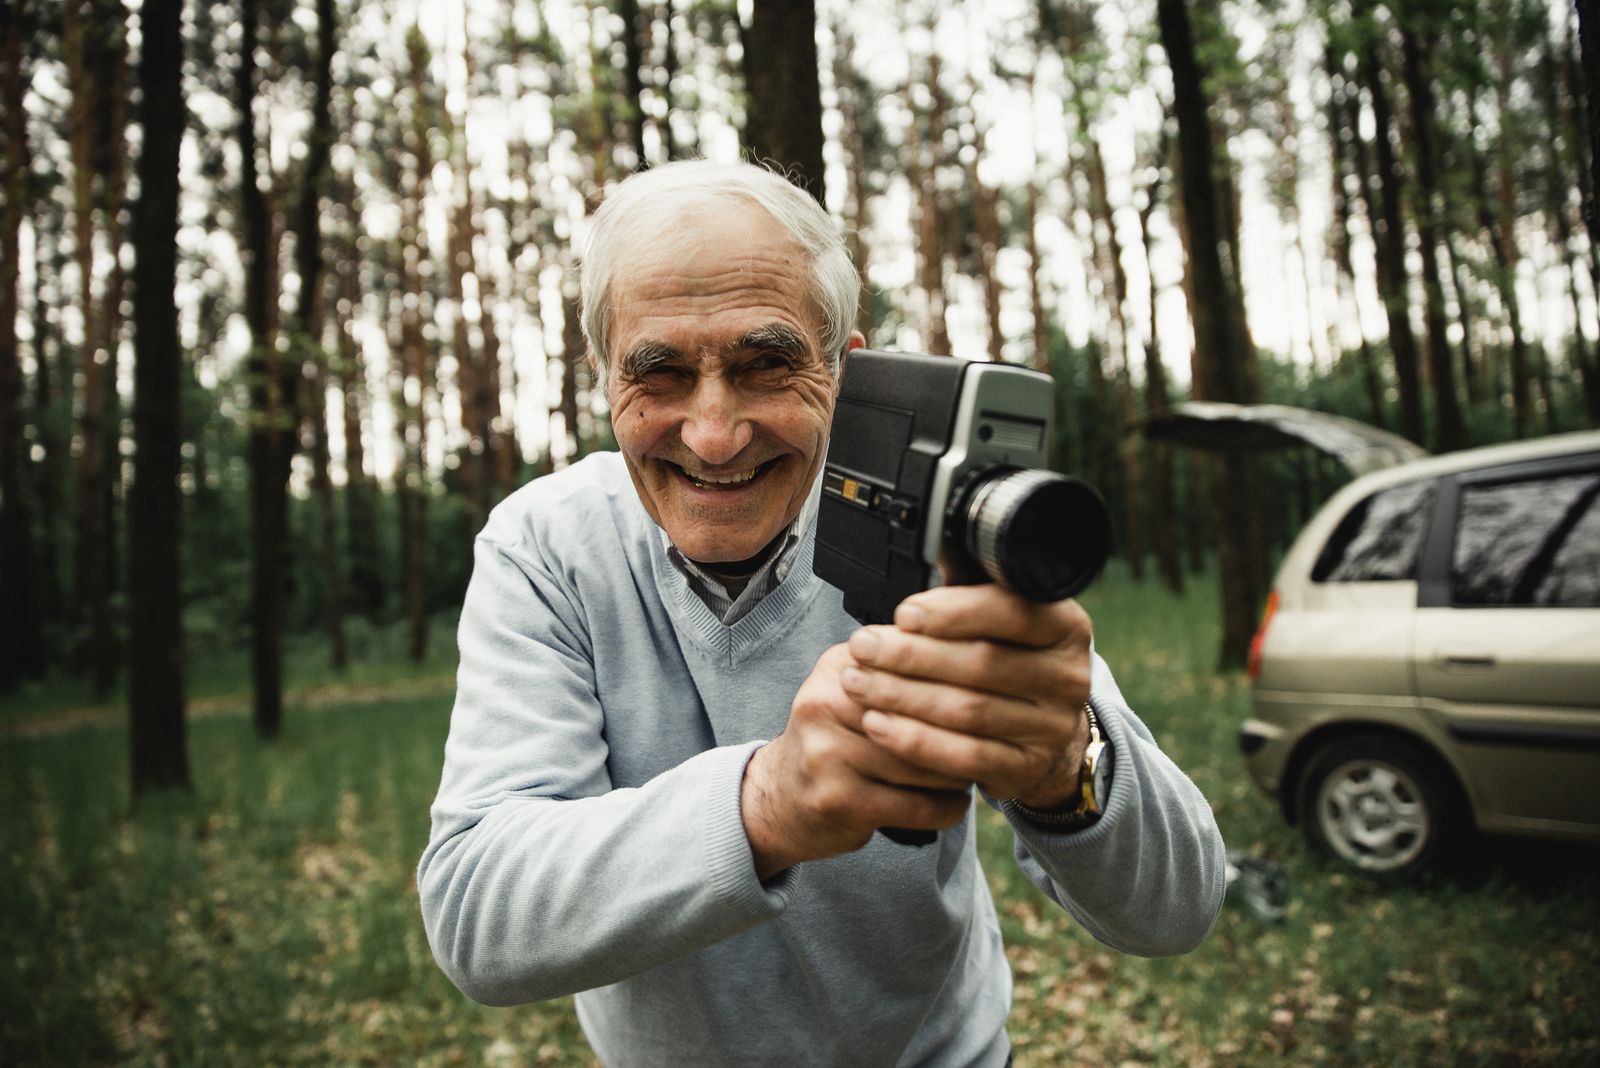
<point x="587" y="839"/>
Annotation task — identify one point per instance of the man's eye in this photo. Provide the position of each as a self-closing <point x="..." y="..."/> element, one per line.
<point x="770" y="361"/>
<point x="661" y="374"/>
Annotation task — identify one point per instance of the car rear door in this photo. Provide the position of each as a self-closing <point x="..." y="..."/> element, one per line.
<point x="1507" y="642"/>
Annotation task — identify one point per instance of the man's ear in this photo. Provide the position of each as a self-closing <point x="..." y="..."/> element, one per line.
<point x="857" y="341"/>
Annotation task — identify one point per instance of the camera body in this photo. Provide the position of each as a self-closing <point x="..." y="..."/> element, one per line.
<point x="934" y="477"/>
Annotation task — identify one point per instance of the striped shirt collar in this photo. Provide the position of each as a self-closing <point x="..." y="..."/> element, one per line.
<point x="712" y="590"/>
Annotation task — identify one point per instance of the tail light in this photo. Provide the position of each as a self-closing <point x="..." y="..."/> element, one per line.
<point x="1253" y="665"/>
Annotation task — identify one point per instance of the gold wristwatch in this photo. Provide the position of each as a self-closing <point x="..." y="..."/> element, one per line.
<point x="1093" y="791"/>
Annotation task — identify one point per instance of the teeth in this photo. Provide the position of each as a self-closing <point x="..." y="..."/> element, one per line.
<point x="724" y="480"/>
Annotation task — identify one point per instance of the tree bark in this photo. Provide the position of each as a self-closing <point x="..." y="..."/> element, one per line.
<point x="853" y="104"/>
<point x="922" y="172"/>
<point x="1589" y="43"/>
<point x="1224" y="363"/>
<point x="783" y="109"/>
<point x="155" y="504"/>
<point x="669" y="72"/>
<point x="1449" y="432"/>
<point x="1586" y="360"/>
<point x="989" y="242"/>
<point x="268" y="405"/>
<point x="361" y="523"/>
<point x="92" y="45"/>
<point x="416" y="369"/>
<point x="20" y="623"/>
<point x="1343" y="127"/>
<point x="1388" y="235"/>
<point x="633" y="78"/>
<point x="1162" y="496"/>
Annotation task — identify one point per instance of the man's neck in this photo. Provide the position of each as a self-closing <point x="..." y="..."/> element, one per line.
<point x="735" y="574"/>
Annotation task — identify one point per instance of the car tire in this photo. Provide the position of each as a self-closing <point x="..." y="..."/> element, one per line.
<point x="1382" y="805"/>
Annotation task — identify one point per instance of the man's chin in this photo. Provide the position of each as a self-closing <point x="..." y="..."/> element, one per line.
<point x="721" y="541"/>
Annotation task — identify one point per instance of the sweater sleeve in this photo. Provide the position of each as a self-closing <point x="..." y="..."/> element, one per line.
<point x="1148" y="876"/>
<point x="539" y="879"/>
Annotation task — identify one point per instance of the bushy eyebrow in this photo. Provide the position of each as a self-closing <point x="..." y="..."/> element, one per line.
<point x="645" y="357"/>
<point x="778" y="338"/>
<point x="774" y="337"/>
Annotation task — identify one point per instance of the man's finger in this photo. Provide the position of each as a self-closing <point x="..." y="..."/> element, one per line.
<point x="976" y="664"/>
<point x="955" y="708"/>
<point x="981" y="760"/>
<point x="987" y="611"/>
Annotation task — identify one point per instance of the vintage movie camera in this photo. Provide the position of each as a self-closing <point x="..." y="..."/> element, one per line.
<point x="934" y="476"/>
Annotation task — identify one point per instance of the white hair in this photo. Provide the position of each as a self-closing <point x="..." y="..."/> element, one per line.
<point x="634" y="203"/>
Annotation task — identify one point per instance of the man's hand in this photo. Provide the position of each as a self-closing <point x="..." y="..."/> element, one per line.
<point x="822" y="787"/>
<point x="977" y="684"/>
<point x="970" y="685"/>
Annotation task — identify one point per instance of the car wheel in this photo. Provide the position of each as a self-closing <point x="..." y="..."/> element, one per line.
<point x="1382" y="805"/>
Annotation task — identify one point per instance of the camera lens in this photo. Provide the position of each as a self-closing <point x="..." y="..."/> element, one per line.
<point x="1043" y="535"/>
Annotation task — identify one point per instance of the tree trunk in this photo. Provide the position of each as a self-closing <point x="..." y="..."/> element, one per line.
<point x="1466" y="309"/>
<point x="414" y="361"/>
<point x="20" y="623"/>
<point x="1449" y="433"/>
<point x="1343" y="122"/>
<point x="572" y="357"/>
<point x="1041" y="325"/>
<point x="850" y="91"/>
<point x="783" y="107"/>
<point x="1589" y="42"/>
<point x="922" y="169"/>
<point x="92" y="47"/>
<point x="51" y="379"/>
<point x="361" y="523"/>
<point x="669" y="72"/>
<point x="333" y="605"/>
<point x="1505" y="255"/>
<point x="155" y="504"/>
<point x="1163" y="502"/>
<point x="989" y="241"/>
<point x="1225" y="365"/>
<point x="633" y="78"/>
<point x="1108" y="262"/>
<point x="1388" y="235"/>
<point x="1587" y="361"/>
<point x="267" y="498"/>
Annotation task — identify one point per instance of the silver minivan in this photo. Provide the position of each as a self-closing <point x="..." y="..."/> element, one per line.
<point x="1429" y="660"/>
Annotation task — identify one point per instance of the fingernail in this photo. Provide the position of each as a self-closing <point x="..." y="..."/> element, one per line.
<point x="864" y="645"/>
<point x="854" y="679"/>
<point x="911" y="617"/>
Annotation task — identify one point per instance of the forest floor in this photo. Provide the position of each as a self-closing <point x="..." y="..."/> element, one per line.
<point x="271" y="917"/>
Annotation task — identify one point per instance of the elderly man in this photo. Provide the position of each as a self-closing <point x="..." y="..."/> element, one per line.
<point x="671" y="746"/>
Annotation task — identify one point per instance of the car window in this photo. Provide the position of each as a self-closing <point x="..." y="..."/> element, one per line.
<point x="1379" y="539"/>
<point x="1530" y="542"/>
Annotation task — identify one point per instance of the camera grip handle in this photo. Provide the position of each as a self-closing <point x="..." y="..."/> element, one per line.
<point x="906" y="836"/>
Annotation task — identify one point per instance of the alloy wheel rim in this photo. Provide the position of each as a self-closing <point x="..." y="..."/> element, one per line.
<point x="1374" y="815"/>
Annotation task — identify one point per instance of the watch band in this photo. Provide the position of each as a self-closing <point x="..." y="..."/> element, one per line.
<point x="1089" y="804"/>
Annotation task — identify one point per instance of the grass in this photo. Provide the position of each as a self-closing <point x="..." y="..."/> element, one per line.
<point x="271" y="918"/>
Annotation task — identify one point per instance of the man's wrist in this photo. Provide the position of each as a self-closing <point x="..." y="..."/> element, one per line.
<point x="754" y="812"/>
<point x="1081" y="804"/>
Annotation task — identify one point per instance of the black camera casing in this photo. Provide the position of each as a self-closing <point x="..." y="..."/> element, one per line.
<point x="908" y="429"/>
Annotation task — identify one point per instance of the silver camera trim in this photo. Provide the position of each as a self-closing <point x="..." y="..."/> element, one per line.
<point x="986" y="387"/>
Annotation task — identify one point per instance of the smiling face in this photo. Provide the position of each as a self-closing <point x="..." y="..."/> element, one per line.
<point x="721" y="396"/>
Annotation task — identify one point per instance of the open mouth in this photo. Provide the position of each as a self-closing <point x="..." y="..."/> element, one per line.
<point x="727" y="480"/>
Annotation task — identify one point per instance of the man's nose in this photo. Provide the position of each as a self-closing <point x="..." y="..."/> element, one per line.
<point x="715" y="427"/>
